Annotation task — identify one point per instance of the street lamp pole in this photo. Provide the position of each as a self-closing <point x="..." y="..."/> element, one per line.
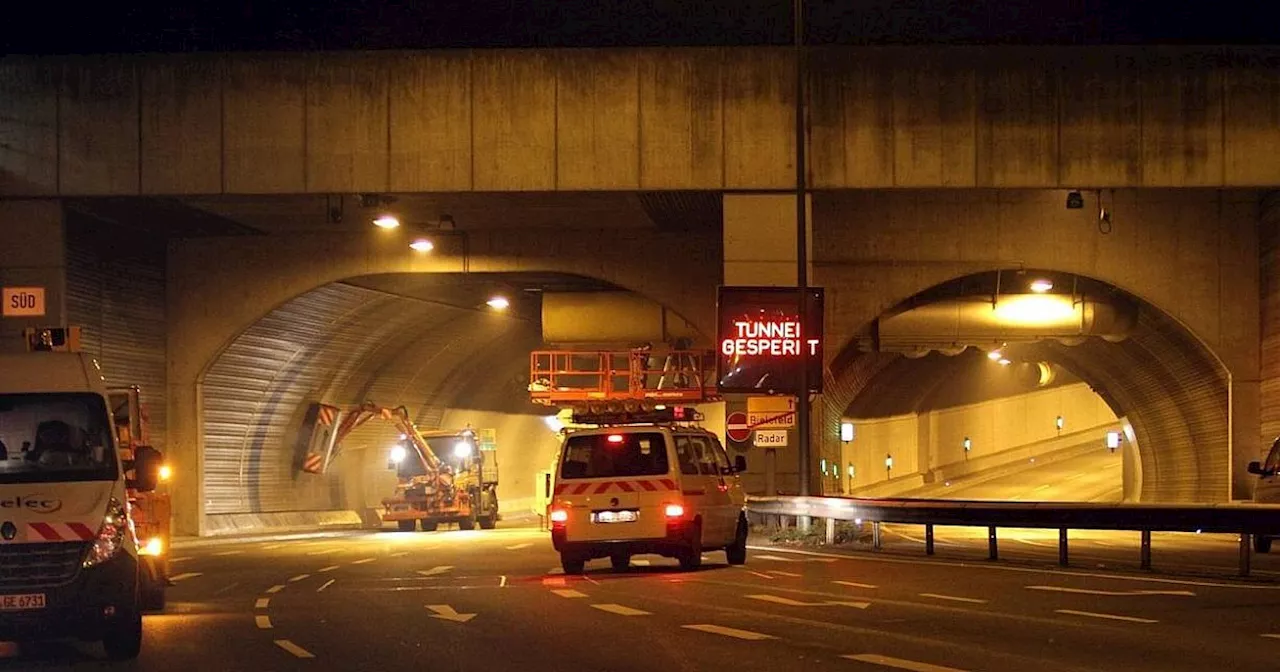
<point x="802" y="250"/>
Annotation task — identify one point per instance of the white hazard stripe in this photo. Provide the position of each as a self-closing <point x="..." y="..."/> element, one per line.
<point x="59" y="532"/>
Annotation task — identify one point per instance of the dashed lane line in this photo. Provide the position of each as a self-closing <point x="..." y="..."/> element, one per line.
<point x="502" y="583"/>
<point x="275" y="589"/>
<point x="294" y="648"/>
<point x="263" y="621"/>
<point x="728" y="632"/>
<point x="1110" y="617"/>
<point x="779" y="572"/>
<point x="300" y="577"/>
<point x="519" y="546"/>
<point x="330" y="568"/>
<point x="953" y="598"/>
<point x="324" y="551"/>
<point x="621" y="610"/>
<point x="272" y="547"/>
<point x="326" y="585"/>
<point x="262" y="603"/>
<point x="435" y="571"/>
<point x="401" y="554"/>
<point x="1272" y="636"/>
<point x="184" y="577"/>
<point x="760" y="574"/>
<point x="901" y="664"/>
<point x="1115" y="593"/>
<point x="182" y="559"/>
<point x="225" y="553"/>
<point x="854" y="584"/>
<point x="775" y="558"/>
<point x="361" y="562"/>
<point x="569" y="592"/>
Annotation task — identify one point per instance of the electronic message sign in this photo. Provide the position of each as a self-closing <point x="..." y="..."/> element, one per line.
<point x="762" y="341"/>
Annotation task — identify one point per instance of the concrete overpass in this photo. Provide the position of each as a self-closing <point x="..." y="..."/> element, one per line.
<point x="654" y="171"/>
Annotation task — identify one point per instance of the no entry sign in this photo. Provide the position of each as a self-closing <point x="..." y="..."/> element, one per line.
<point x="736" y="427"/>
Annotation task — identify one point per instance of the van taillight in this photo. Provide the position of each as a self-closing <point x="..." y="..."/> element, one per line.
<point x="559" y="516"/>
<point x="674" y="510"/>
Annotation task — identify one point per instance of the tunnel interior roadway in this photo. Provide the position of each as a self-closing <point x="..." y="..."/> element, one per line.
<point x="1162" y="389"/>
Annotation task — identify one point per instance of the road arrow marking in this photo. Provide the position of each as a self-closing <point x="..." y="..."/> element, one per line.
<point x="435" y="571"/>
<point x="1113" y="593"/>
<point x="446" y="612"/>
<point x="796" y="603"/>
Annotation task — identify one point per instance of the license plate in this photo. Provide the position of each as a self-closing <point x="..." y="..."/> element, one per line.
<point x="614" y="516"/>
<point x="21" y="602"/>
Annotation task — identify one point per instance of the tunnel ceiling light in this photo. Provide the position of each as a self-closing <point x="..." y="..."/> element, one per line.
<point x="994" y="355"/>
<point x="498" y="303"/>
<point x="1041" y="285"/>
<point x="422" y="245"/>
<point x="1037" y="310"/>
<point x="386" y="221"/>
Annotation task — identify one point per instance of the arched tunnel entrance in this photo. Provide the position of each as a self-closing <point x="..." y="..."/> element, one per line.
<point x="432" y="342"/>
<point x="1010" y="359"/>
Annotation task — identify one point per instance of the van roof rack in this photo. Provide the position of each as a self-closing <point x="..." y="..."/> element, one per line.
<point x="667" y="416"/>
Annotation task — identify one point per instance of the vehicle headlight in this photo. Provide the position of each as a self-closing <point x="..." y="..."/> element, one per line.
<point x="110" y="539"/>
<point x="462" y="449"/>
<point x="154" y="546"/>
<point x="397" y="454"/>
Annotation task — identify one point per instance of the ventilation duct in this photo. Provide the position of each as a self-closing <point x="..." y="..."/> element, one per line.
<point x="609" y="318"/>
<point x="946" y="326"/>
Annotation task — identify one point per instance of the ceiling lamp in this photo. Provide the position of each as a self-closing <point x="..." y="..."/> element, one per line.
<point x="1041" y="285"/>
<point x="386" y="221"/>
<point x="422" y="245"/>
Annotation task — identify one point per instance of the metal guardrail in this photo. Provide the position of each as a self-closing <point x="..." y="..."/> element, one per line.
<point x="1247" y="520"/>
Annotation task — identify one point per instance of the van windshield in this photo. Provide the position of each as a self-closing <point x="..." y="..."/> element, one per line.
<point x="52" y="437"/>
<point x="614" y="455"/>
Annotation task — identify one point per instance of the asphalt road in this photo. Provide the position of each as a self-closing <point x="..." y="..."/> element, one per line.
<point x="494" y="600"/>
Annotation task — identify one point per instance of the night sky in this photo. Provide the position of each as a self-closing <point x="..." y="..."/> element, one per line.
<point x="229" y="25"/>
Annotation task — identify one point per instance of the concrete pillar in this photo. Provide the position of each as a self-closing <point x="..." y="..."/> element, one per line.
<point x="760" y="249"/>
<point x="1268" y="394"/>
<point x="33" y="253"/>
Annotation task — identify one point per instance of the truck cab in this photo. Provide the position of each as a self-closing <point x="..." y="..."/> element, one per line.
<point x="1267" y="490"/>
<point x="69" y="556"/>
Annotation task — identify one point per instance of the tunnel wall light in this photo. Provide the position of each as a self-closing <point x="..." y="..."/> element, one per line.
<point x="1113" y="440"/>
<point x="386" y="221"/>
<point x="498" y="303"/>
<point x="1041" y="285"/>
<point x="846" y="431"/>
<point x="1059" y="423"/>
<point x="968" y="445"/>
<point x="422" y="245"/>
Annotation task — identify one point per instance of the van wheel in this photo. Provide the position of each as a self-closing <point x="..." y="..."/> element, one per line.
<point x="429" y="525"/>
<point x="123" y="637"/>
<point x="468" y="523"/>
<point x="736" y="553"/>
<point x="572" y="565"/>
<point x="621" y="561"/>
<point x="1262" y="544"/>
<point x="691" y="557"/>
<point x="405" y="525"/>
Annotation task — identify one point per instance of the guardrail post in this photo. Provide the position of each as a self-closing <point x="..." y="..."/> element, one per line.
<point x="831" y="531"/>
<point x="1062" y="546"/>
<point x="1245" y="540"/>
<point x="1145" y="553"/>
<point x="928" y="539"/>
<point x="803" y="523"/>
<point x="993" y="552"/>
<point x="875" y="534"/>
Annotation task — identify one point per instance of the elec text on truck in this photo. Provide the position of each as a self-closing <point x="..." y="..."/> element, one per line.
<point x="762" y="339"/>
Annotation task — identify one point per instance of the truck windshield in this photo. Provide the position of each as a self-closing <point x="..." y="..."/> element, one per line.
<point x="51" y="437"/>
<point x="614" y="455"/>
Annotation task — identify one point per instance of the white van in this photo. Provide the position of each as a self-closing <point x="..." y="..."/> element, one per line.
<point x="646" y="488"/>
<point x="69" y="562"/>
<point x="1268" y="489"/>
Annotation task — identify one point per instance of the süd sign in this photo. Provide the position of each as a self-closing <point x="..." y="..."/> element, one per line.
<point x="763" y="339"/>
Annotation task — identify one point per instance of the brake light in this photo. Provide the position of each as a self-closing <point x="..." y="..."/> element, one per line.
<point x="559" y="516"/>
<point x="674" y="510"/>
<point x="615" y="438"/>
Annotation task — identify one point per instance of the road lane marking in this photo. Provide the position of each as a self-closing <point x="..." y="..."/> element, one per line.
<point x="401" y="554"/>
<point x="226" y="588"/>
<point x="1117" y="593"/>
<point x="503" y="582"/>
<point x="272" y="547"/>
<point x="324" y="551"/>
<point x="330" y="568"/>
<point x="1272" y="636"/>
<point x="775" y="558"/>
<point x="782" y="573"/>
<point x="262" y="603"/>
<point x="887" y="661"/>
<point x="184" y="577"/>
<point x="361" y="562"/>
<point x="182" y="559"/>
<point x="447" y="613"/>
<point x="590" y="580"/>
<point x="293" y="648"/>
<point x="760" y="574"/>
<point x="435" y="571"/>
<point x="854" y="584"/>
<point x="326" y="585"/>
<point x="263" y="621"/>
<point x="228" y="553"/>
<point x="953" y="598"/>
<point x="820" y="560"/>
<point x="776" y="599"/>
<point x="275" y="589"/>
<point x="299" y="577"/>
<point x="519" y="546"/>
<point x="729" y="632"/>
<point x="620" y="610"/>
<point x="641" y="563"/>
<point x="1112" y="617"/>
<point x="569" y="592"/>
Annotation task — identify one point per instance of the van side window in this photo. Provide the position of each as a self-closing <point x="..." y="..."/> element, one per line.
<point x="722" y="457"/>
<point x="688" y="456"/>
<point x="707" y="463"/>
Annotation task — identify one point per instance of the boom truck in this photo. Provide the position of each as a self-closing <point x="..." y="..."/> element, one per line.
<point x="442" y="476"/>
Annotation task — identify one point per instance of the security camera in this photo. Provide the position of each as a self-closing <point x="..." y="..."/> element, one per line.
<point x="1075" y="200"/>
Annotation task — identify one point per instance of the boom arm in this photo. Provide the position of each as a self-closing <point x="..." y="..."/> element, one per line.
<point x="399" y="417"/>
